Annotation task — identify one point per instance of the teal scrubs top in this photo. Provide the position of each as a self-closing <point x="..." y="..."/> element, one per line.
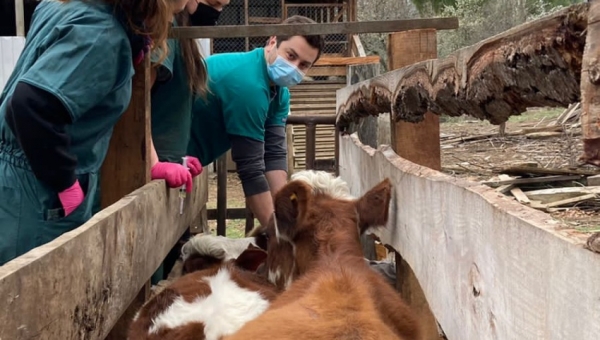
<point x="171" y="106"/>
<point x="239" y="103"/>
<point x="79" y="52"/>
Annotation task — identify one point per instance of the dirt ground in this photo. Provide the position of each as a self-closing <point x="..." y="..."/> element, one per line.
<point x="476" y="160"/>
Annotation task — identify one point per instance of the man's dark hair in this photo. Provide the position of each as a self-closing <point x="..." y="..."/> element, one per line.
<point x="315" y="41"/>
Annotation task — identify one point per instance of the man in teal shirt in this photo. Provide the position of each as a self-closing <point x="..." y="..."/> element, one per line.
<point x="246" y="111"/>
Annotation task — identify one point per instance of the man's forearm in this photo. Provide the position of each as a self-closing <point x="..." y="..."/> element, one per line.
<point x="261" y="206"/>
<point x="277" y="179"/>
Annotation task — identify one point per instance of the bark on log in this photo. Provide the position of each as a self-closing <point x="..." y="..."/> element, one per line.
<point x="590" y="89"/>
<point x="534" y="64"/>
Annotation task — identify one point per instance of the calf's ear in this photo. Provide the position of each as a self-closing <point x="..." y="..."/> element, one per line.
<point x="373" y="207"/>
<point x="291" y="204"/>
<point x="251" y="258"/>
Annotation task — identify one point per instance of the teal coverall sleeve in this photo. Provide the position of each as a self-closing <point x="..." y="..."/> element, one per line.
<point x="80" y="68"/>
<point x="164" y="71"/>
<point x="282" y="110"/>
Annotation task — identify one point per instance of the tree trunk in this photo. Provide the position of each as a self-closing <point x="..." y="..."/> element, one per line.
<point x="590" y="89"/>
<point x="532" y="65"/>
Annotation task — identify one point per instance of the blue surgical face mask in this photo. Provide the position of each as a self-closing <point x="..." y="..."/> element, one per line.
<point x="283" y="73"/>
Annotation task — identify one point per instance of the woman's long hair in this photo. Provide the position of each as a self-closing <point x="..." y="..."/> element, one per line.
<point x="194" y="62"/>
<point x="155" y="15"/>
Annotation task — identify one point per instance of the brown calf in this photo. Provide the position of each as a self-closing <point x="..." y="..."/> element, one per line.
<point x="215" y="299"/>
<point x="314" y="237"/>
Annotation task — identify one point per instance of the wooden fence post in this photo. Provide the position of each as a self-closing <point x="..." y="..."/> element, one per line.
<point x="420" y="144"/>
<point x="127" y="167"/>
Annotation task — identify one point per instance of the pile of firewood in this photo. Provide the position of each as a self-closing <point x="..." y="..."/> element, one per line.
<point x="549" y="190"/>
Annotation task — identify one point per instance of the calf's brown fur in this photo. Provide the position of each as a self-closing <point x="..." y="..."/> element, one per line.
<point x="315" y="252"/>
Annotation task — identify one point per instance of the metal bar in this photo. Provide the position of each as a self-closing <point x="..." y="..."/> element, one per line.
<point x="381" y="26"/>
<point x="221" y="195"/>
<point x="232" y="214"/>
<point x="337" y="151"/>
<point x="311" y="135"/>
<point x="317" y="119"/>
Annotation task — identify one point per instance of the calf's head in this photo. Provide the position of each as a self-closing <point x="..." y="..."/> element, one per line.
<point x="205" y="251"/>
<point x="308" y="222"/>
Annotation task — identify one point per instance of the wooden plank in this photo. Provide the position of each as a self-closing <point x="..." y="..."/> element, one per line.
<point x="503" y="189"/>
<point x="519" y="196"/>
<point x="312" y="106"/>
<point x="494" y="79"/>
<point x="378" y="26"/>
<point x="556" y="194"/>
<point x="520" y="170"/>
<point x="357" y="46"/>
<point x="569" y="201"/>
<point x="321" y="99"/>
<point x="347" y="61"/>
<point x="545" y="179"/>
<point x="77" y="286"/>
<point x="491" y="268"/>
<point x="593" y="180"/>
<point x="127" y="163"/>
<point x="590" y="90"/>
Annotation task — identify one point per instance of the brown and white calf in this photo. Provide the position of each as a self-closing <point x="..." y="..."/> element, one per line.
<point x="218" y="295"/>
<point x="315" y="254"/>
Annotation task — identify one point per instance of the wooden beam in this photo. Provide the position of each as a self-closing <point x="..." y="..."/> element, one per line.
<point x="357" y="46"/>
<point x="490" y="267"/>
<point x="346" y="61"/>
<point x="590" y="89"/>
<point x="379" y="26"/>
<point x="492" y="80"/>
<point x="78" y="285"/>
<point x="127" y="163"/>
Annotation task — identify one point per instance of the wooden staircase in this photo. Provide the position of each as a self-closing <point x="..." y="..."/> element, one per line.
<point x="312" y="98"/>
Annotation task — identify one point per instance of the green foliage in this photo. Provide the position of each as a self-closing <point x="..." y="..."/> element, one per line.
<point x="437" y="6"/>
<point x="481" y="19"/>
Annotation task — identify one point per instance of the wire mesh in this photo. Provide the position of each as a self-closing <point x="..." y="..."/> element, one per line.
<point x="261" y="12"/>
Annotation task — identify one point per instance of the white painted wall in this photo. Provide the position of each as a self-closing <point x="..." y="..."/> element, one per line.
<point x="204" y="45"/>
<point x="10" y="49"/>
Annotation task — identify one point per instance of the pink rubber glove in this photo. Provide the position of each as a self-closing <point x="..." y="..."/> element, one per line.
<point x="174" y="174"/>
<point x="71" y="198"/>
<point x="194" y="164"/>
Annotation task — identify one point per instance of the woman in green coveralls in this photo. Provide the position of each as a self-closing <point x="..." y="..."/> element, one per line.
<point x="71" y="84"/>
<point x="179" y="79"/>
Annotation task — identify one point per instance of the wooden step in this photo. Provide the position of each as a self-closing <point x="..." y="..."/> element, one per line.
<point x="313" y="97"/>
<point x="317" y="87"/>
